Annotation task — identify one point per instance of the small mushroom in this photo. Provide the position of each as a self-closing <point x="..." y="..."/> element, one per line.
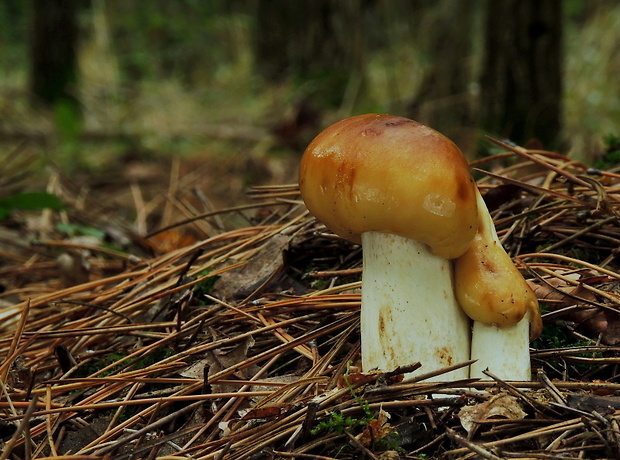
<point x="405" y="192"/>
<point x="495" y="296"/>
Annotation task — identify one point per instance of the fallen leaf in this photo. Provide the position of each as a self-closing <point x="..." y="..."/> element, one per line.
<point x="261" y="270"/>
<point x="502" y="406"/>
<point x="220" y="360"/>
<point x="269" y="411"/>
<point x="376" y="430"/>
<point x="601" y="391"/>
<point x="589" y="402"/>
<point x="609" y="328"/>
<point x="286" y="379"/>
<point x="216" y="361"/>
<point x="390" y="455"/>
<point x="354" y="379"/>
<point x="170" y="240"/>
<point x="591" y="319"/>
<point x="559" y="293"/>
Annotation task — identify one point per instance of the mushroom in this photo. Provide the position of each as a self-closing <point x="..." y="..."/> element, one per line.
<point x="492" y="292"/>
<point x="405" y="192"/>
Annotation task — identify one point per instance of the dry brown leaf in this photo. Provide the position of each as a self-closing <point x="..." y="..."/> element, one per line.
<point x="262" y="269"/>
<point x="593" y="320"/>
<point x="376" y="429"/>
<point x="216" y="361"/>
<point x="390" y="455"/>
<point x="170" y="240"/>
<point x="607" y="323"/>
<point x="355" y="379"/>
<point x="559" y="293"/>
<point x="503" y="406"/>
<point x="268" y="411"/>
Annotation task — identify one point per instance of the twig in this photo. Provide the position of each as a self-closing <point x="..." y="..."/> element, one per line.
<point x="21" y="429"/>
<point x="472" y="446"/>
<point x="303" y="456"/>
<point x="360" y="446"/>
<point x="139" y="433"/>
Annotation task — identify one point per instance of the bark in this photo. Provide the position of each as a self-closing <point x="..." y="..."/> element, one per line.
<point x="54" y="50"/>
<point x="444" y="100"/>
<point x="318" y="40"/>
<point x="521" y="82"/>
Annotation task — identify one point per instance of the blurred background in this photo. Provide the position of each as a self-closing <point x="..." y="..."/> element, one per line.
<point x="101" y="85"/>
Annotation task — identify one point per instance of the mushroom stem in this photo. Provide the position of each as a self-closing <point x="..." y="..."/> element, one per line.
<point x="504" y="351"/>
<point x="409" y="309"/>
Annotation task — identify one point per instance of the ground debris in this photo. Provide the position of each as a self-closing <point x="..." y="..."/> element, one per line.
<point x="225" y="345"/>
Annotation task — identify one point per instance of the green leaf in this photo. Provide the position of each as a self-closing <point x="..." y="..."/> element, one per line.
<point x="29" y="201"/>
<point x="76" y="229"/>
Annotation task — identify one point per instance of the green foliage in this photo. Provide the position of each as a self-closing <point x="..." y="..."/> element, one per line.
<point x="338" y="423"/>
<point x="81" y="230"/>
<point x="73" y="230"/>
<point x="68" y="119"/>
<point x="95" y="366"/>
<point x="162" y="40"/>
<point x="204" y="287"/>
<point x="557" y="336"/>
<point x="29" y="201"/>
<point x="389" y="442"/>
<point x="611" y="156"/>
<point x="14" y="26"/>
<point x="319" y="284"/>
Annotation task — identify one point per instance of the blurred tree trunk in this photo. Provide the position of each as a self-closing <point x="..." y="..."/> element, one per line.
<point x="54" y="50"/>
<point x="444" y="99"/>
<point x="320" y="40"/>
<point x="521" y="81"/>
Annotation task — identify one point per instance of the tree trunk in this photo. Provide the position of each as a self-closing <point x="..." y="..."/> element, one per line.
<point x="444" y="100"/>
<point x="54" y="50"/>
<point x="318" y="40"/>
<point x="521" y="82"/>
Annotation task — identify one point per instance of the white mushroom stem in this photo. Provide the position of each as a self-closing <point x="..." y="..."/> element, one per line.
<point x="409" y="310"/>
<point x="504" y="351"/>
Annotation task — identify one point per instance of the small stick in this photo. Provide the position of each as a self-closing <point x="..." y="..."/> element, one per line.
<point x="139" y="433"/>
<point x="551" y="388"/>
<point x="11" y="353"/>
<point x="341" y="273"/>
<point x="360" y="446"/>
<point x="8" y="448"/>
<point x="302" y="456"/>
<point x="524" y="153"/>
<point x="472" y="446"/>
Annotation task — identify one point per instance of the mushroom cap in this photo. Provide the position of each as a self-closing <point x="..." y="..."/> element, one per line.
<point x="488" y="286"/>
<point x="389" y="174"/>
<point x="491" y="290"/>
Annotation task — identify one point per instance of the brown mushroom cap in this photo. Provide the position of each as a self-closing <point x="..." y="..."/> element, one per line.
<point x="389" y="174"/>
<point x="488" y="286"/>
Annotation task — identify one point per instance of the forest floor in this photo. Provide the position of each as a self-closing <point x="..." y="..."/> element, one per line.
<point x="170" y="309"/>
